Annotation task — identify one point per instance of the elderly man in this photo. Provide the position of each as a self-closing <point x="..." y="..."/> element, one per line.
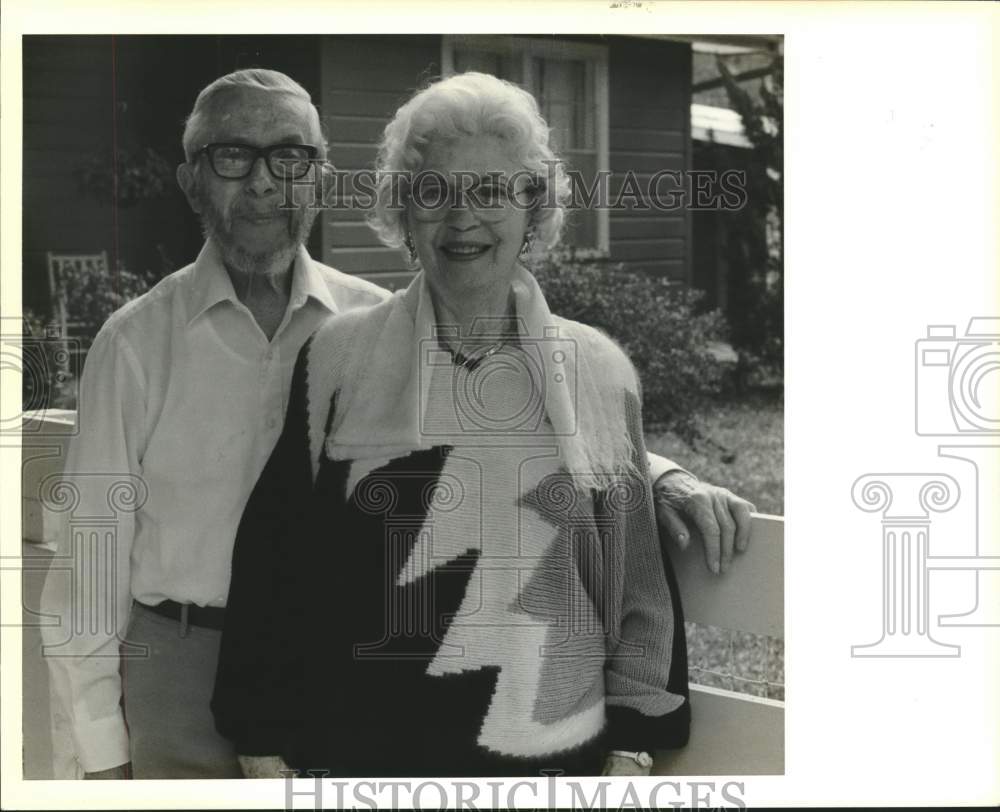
<point x="184" y="392"/>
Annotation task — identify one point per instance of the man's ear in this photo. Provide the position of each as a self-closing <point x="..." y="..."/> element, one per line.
<point x="187" y="179"/>
<point x="328" y="189"/>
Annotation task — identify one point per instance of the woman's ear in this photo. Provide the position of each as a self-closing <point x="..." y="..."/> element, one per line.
<point x="187" y="179"/>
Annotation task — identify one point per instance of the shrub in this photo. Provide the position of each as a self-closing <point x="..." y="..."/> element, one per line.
<point x="656" y="323"/>
<point x="91" y="297"/>
<point x="134" y="176"/>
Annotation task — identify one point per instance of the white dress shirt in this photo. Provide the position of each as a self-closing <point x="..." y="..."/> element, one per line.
<point x="182" y="399"/>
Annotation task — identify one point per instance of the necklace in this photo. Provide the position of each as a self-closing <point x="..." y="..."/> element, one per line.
<point x="470" y="362"/>
<point x="506" y="332"/>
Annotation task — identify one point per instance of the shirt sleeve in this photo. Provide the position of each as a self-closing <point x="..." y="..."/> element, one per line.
<point x="87" y="589"/>
<point x="658" y="466"/>
<point x="258" y="687"/>
<point x="646" y="679"/>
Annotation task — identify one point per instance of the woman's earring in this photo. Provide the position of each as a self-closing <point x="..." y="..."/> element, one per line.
<point x="408" y="242"/>
<point x="529" y="238"/>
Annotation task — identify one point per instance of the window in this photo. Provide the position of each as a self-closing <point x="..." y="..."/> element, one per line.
<point x="570" y="81"/>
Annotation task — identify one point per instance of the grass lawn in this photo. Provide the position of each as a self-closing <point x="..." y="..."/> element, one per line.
<point x="743" y="449"/>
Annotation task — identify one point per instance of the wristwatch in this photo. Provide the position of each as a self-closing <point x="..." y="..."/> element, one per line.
<point x="641" y="758"/>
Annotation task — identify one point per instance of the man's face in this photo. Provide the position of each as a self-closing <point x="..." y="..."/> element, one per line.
<point x="243" y="216"/>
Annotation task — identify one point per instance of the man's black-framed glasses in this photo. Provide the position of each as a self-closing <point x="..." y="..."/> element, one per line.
<point x="284" y="161"/>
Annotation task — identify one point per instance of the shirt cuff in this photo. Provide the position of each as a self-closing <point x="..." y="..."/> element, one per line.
<point x="101" y="743"/>
<point x="658" y="466"/>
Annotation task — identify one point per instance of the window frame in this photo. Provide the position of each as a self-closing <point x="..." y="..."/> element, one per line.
<point x="529" y="49"/>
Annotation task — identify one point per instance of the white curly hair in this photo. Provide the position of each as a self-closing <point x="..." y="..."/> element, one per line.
<point x="469" y="104"/>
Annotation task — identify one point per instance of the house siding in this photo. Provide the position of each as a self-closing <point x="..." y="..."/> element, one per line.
<point x="85" y="94"/>
<point x="364" y="80"/>
<point x="649" y="88"/>
<point x="66" y="117"/>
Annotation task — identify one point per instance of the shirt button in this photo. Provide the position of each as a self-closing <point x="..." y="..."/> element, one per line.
<point x="272" y="422"/>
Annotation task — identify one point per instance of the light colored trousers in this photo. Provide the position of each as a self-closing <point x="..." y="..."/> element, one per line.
<point x="167" y="694"/>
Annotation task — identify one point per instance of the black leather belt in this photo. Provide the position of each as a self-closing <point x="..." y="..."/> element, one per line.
<point x="189" y="614"/>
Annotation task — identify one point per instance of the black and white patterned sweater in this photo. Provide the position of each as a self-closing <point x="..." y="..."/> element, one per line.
<point x="459" y="608"/>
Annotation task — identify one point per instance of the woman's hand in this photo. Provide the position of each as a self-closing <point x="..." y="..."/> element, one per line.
<point x="685" y="505"/>
<point x="623" y="765"/>
<point x="264" y="767"/>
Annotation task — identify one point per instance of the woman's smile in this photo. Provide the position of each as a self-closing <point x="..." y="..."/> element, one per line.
<point x="465" y="250"/>
<point x="465" y="244"/>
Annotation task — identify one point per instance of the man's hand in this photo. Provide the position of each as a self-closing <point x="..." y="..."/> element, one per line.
<point x="122" y="771"/>
<point x="264" y="767"/>
<point x="686" y="506"/>
<point x="621" y="765"/>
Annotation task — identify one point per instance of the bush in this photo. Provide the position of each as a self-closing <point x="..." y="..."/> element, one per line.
<point x="91" y="297"/>
<point x="134" y="176"/>
<point x="654" y="320"/>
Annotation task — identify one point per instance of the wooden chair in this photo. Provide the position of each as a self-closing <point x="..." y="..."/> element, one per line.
<point x="61" y="268"/>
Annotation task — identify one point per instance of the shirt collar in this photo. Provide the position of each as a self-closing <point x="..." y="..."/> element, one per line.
<point x="213" y="285"/>
<point x="308" y="282"/>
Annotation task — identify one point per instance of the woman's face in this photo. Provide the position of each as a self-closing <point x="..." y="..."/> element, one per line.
<point x="468" y="244"/>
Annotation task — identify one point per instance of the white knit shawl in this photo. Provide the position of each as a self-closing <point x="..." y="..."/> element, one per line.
<point x="377" y="361"/>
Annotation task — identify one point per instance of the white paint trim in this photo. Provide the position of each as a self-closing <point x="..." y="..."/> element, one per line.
<point x="534" y="47"/>
<point x="722" y="692"/>
<point x="718" y="124"/>
<point x="603" y="145"/>
<point x="771" y="517"/>
<point x="447" y="56"/>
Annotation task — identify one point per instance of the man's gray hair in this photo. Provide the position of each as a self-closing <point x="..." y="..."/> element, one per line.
<point x="253" y="78"/>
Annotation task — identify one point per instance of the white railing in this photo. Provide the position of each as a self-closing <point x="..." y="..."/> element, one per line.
<point x="45" y="436"/>
<point x="732" y="733"/>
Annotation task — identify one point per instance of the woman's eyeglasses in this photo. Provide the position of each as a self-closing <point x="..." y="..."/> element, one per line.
<point x="284" y="161"/>
<point x="490" y="200"/>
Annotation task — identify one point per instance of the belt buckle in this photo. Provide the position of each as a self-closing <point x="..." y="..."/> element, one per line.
<point x="185" y="626"/>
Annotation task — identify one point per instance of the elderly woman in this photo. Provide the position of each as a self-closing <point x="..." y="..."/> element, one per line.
<point x="450" y="565"/>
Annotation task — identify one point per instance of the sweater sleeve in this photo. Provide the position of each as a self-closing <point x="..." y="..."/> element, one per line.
<point x="646" y="677"/>
<point x="261" y="661"/>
